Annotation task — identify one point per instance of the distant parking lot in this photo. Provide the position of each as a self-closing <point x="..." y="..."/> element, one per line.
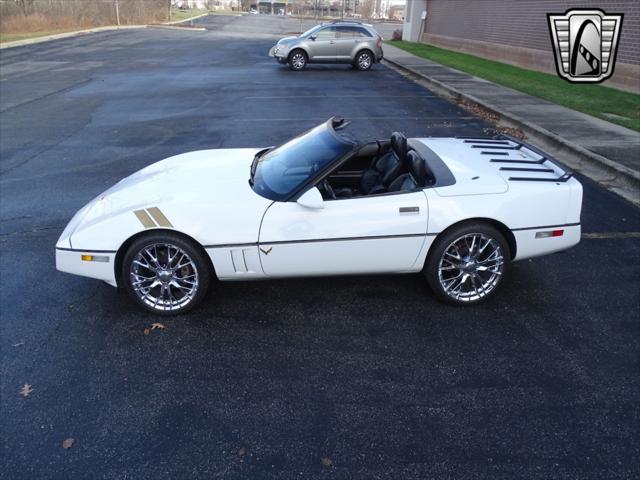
<point x="356" y="377"/>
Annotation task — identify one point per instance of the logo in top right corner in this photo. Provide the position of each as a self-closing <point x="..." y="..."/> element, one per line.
<point x="585" y="43"/>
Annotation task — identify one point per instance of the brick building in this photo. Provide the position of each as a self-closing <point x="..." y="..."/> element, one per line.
<point x="516" y="31"/>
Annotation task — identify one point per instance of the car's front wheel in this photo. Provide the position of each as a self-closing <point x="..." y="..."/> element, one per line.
<point x="297" y="60"/>
<point x="364" y="60"/>
<point x="467" y="263"/>
<point x="166" y="273"/>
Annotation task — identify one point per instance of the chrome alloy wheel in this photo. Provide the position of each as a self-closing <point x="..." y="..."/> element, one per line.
<point x="298" y="61"/>
<point x="364" y="61"/>
<point x="164" y="277"/>
<point x="471" y="267"/>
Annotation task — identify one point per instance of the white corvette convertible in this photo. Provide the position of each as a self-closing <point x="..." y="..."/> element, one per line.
<point x="457" y="209"/>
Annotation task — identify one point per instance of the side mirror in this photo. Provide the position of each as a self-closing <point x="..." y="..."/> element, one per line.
<point x="312" y="198"/>
<point x="313" y="37"/>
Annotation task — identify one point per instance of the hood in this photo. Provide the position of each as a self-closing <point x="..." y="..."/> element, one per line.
<point x="287" y="40"/>
<point x="189" y="188"/>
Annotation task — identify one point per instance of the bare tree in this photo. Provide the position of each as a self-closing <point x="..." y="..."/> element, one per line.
<point x="367" y="8"/>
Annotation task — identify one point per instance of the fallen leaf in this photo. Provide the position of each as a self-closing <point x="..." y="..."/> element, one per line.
<point x="68" y="443"/>
<point x="242" y="452"/>
<point x="146" y="331"/>
<point x="326" y="462"/>
<point x="157" y="325"/>
<point x="26" y="390"/>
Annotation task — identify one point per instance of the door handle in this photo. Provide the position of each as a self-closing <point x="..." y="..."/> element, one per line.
<point x="332" y="42"/>
<point x="409" y="210"/>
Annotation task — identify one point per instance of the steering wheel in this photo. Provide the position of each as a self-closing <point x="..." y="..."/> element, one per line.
<point x="327" y="188"/>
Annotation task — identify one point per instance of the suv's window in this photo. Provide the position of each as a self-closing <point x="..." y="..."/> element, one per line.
<point x="352" y="32"/>
<point x="328" y="33"/>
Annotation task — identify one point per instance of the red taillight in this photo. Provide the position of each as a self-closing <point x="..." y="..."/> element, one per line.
<point x="550" y="233"/>
<point x="379" y="44"/>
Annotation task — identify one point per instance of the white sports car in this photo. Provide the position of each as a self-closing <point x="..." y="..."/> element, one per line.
<point x="457" y="209"/>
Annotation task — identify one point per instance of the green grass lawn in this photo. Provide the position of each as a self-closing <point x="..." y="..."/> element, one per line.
<point x="595" y="100"/>
<point x="177" y="14"/>
<point x="12" y="37"/>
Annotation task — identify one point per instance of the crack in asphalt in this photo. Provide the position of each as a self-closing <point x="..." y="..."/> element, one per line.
<point x="62" y="90"/>
<point x="45" y="149"/>
<point x="33" y="230"/>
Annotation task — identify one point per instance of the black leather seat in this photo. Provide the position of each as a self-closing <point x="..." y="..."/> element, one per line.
<point x="383" y="170"/>
<point x="387" y="168"/>
<point x="417" y="177"/>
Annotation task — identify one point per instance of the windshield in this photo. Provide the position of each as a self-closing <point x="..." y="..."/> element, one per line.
<point x="279" y="172"/>
<point x="310" y="31"/>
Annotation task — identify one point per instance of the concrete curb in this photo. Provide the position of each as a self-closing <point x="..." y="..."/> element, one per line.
<point x="178" y="27"/>
<point x="58" y="36"/>
<point x="614" y="176"/>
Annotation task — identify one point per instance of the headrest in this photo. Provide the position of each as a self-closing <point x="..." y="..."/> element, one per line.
<point x="384" y="145"/>
<point x="399" y="145"/>
<point x="369" y="150"/>
<point x="417" y="167"/>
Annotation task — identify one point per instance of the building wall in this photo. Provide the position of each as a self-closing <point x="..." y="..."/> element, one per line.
<point x="412" y="26"/>
<point x="516" y="32"/>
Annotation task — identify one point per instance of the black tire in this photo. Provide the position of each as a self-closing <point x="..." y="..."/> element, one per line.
<point x="444" y="272"/>
<point x="199" y="270"/>
<point x="364" y="60"/>
<point x="298" y="60"/>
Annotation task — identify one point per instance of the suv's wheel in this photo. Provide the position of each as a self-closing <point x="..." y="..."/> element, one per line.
<point x="297" y="60"/>
<point x="166" y="274"/>
<point x="467" y="264"/>
<point x="364" y="60"/>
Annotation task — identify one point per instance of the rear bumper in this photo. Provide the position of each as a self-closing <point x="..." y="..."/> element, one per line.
<point x="532" y="242"/>
<point x="100" y="266"/>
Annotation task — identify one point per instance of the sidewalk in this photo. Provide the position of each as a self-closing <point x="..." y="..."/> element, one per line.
<point x="597" y="148"/>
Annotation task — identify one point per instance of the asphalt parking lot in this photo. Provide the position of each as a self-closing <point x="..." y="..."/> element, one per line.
<point x="354" y="377"/>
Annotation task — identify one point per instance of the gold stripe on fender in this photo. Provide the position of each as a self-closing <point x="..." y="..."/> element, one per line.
<point x="158" y="220"/>
<point x="159" y="217"/>
<point x="145" y="219"/>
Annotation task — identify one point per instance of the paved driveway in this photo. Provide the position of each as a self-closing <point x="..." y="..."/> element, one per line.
<point x="267" y="379"/>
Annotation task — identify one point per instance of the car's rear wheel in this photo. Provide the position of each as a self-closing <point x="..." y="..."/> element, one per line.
<point x="466" y="264"/>
<point x="364" y="60"/>
<point x="297" y="60"/>
<point x="166" y="273"/>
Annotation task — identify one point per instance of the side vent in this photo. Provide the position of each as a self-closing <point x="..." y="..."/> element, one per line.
<point x="239" y="260"/>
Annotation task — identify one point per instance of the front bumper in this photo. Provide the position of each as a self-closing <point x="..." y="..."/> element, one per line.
<point x="99" y="266"/>
<point x="278" y="52"/>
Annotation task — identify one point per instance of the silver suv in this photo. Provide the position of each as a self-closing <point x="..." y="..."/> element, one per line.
<point x="337" y="42"/>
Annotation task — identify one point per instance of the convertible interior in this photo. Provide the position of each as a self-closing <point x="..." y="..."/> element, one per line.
<point x="378" y="167"/>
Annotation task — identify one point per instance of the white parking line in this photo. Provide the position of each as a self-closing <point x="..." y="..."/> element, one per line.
<point x="341" y="96"/>
<point x="321" y="119"/>
<point x="608" y="235"/>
